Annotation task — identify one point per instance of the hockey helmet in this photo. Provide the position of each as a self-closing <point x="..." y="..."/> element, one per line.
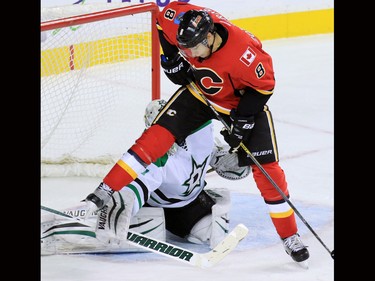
<point x="152" y="109"/>
<point x="193" y="28"/>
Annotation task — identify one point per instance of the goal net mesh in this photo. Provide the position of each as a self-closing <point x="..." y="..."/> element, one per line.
<point x="97" y="76"/>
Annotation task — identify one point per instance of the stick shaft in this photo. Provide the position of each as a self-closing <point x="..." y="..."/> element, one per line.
<point x="193" y="87"/>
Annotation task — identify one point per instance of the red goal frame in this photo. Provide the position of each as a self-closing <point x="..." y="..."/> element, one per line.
<point x="119" y="12"/>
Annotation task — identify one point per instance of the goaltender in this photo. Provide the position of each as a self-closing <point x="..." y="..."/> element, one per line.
<point x="171" y="195"/>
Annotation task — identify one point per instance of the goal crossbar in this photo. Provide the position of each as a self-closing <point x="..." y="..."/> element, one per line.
<point x="100" y="66"/>
<point x="118" y="12"/>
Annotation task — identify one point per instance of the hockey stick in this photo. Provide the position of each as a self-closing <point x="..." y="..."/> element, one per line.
<point x="194" y="89"/>
<point x="202" y="260"/>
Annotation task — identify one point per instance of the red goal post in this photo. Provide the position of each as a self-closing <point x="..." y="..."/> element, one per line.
<point x="100" y="66"/>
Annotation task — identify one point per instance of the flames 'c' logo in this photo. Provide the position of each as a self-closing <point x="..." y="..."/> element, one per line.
<point x="208" y="80"/>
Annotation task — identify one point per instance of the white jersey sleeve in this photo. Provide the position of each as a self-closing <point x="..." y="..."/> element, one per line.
<point x="176" y="180"/>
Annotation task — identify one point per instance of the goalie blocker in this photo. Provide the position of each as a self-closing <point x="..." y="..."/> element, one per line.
<point x="59" y="236"/>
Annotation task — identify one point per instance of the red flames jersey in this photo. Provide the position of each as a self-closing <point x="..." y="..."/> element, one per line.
<point x="240" y="63"/>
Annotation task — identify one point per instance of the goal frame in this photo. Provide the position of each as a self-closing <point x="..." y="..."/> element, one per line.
<point x="114" y="13"/>
<point x="67" y="165"/>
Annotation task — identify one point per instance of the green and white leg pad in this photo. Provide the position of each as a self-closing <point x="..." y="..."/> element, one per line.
<point x="213" y="228"/>
<point x="105" y="231"/>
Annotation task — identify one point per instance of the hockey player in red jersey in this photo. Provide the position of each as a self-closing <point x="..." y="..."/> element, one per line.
<point x="236" y="75"/>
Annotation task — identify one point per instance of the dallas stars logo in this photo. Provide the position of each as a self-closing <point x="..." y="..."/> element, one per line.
<point x="195" y="177"/>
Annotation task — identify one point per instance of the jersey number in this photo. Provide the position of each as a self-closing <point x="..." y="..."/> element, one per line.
<point x="169" y="14"/>
<point x="260" y="71"/>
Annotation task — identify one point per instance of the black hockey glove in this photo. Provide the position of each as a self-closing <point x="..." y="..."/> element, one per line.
<point x="240" y="130"/>
<point x="177" y="69"/>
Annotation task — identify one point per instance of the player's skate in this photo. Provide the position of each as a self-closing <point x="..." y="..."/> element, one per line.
<point x="296" y="249"/>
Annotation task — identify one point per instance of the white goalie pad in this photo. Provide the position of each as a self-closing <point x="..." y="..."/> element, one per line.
<point x="61" y="235"/>
<point x="113" y="219"/>
<point x="68" y="236"/>
<point x="226" y="164"/>
<point x="150" y="221"/>
<point x="220" y="214"/>
<point x="213" y="228"/>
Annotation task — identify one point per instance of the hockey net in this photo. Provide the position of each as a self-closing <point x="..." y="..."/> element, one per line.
<point x="100" y="67"/>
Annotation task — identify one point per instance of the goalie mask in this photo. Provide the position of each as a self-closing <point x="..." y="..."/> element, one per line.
<point x="152" y="110"/>
<point x="226" y="164"/>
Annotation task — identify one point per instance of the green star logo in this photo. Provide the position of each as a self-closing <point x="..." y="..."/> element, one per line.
<point x="195" y="178"/>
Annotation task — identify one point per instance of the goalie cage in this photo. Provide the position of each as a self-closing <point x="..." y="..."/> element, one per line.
<point x="100" y="67"/>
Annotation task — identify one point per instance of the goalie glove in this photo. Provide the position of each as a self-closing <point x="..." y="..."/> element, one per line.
<point x="225" y="164"/>
<point x="177" y="69"/>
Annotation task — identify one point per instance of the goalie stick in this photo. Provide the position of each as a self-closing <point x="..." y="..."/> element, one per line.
<point x="202" y="260"/>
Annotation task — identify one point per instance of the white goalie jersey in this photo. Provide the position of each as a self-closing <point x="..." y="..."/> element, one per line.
<point x="177" y="178"/>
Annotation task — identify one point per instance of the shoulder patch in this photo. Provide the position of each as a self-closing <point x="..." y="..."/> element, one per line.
<point x="248" y="57"/>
